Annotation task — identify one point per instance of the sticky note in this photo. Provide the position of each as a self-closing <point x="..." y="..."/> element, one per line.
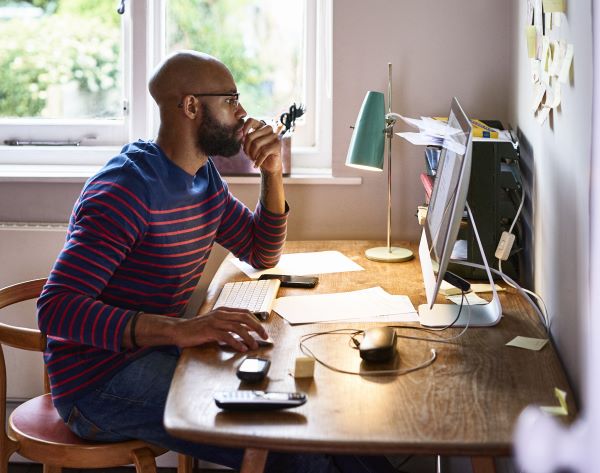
<point x="561" y="410"/>
<point x="547" y="23"/>
<point x="471" y="299"/>
<point x="551" y="6"/>
<point x="565" y="69"/>
<point x="304" y="367"/>
<point x="481" y="287"/>
<point x="531" y="34"/>
<point x="528" y="343"/>
<point x="545" y="53"/>
<point x="557" y="18"/>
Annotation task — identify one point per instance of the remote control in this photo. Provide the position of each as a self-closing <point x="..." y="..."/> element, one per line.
<point x="258" y="400"/>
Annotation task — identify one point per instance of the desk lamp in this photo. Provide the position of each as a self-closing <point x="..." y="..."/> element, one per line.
<point x="366" y="149"/>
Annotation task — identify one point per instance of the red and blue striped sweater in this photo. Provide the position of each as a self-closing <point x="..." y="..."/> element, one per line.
<point x="138" y="239"/>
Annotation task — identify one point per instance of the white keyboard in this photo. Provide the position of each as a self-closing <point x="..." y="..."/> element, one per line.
<point x="257" y="296"/>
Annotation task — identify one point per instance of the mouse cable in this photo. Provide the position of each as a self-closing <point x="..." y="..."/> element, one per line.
<point x="352" y="332"/>
<point x="433" y="329"/>
<point x="512" y="283"/>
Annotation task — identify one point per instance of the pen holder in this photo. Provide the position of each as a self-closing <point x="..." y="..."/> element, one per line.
<point x="240" y="165"/>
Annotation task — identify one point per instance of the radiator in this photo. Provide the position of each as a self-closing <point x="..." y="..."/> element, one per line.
<point x="27" y="251"/>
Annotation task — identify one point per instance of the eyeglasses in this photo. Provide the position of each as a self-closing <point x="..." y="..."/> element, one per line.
<point x="233" y="99"/>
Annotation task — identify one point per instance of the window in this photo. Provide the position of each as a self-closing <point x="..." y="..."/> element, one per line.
<point x="74" y="71"/>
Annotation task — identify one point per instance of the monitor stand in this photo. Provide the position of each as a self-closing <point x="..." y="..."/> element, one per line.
<point x="482" y="315"/>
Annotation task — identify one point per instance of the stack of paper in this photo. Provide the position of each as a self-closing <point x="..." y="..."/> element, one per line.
<point x="433" y="132"/>
<point x="366" y="305"/>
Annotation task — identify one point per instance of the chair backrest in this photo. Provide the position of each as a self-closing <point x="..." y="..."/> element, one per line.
<point x="18" y="337"/>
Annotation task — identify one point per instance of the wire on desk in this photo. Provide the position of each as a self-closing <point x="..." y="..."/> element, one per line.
<point x="397" y="372"/>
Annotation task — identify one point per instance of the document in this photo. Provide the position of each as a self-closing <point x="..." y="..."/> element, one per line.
<point x="365" y="305"/>
<point x="304" y="264"/>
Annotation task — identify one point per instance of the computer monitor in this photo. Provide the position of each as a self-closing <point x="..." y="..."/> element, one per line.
<point x="445" y="214"/>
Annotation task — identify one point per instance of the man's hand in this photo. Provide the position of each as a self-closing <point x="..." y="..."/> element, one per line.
<point x="262" y="146"/>
<point x="216" y="326"/>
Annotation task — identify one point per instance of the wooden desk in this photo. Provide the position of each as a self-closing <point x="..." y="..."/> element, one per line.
<point x="466" y="403"/>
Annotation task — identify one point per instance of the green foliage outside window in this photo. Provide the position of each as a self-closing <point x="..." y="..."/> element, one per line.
<point x="78" y="43"/>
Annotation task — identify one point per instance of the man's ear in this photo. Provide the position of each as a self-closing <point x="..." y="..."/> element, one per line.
<point x="191" y="107"/>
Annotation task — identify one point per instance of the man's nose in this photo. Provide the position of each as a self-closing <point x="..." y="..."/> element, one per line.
<point x="241" y="111"/>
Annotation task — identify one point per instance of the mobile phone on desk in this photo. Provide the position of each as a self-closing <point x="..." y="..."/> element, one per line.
<point x="293" y="281"/>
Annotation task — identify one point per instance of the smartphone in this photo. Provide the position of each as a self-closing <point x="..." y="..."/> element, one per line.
<point x="293" y="281"/>
<point x="253" y="369"/>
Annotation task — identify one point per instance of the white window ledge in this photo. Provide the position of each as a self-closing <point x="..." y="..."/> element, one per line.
<point x="69" y="173"/>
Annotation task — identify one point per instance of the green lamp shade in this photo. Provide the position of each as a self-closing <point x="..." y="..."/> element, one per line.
<point x="367" y="144"/>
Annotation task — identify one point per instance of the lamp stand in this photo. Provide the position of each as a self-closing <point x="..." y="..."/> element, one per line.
<point x="389" y="253"/>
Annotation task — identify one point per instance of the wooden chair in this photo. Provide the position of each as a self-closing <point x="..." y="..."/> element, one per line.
<point x="38" y="433"/>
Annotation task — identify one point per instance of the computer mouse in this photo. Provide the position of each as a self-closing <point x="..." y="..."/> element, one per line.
<point x="378" y="344"/>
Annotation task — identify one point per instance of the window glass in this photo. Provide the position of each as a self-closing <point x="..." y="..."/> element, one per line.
<point x="60" y="59"/>
<point x="261" y="41"/>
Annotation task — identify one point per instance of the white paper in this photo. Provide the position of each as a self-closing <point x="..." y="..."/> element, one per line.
<point x="563" y="75"/>
<point x="304" y="264"/>
<point x="542" y="115"/>
<point x="362" y="305"/>
<point x="420" y="139"/>
<point x="538" y="95"/>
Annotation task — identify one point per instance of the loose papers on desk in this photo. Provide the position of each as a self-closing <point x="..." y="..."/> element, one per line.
<point x="365" y="305"/>
<point x="304" y="264"/>
<point x="437" y="132"/>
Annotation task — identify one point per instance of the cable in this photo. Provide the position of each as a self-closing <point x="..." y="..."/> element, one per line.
<point x="544" y="311"/>
<point x="512" y="284"/>
<point x="354" y="333"/>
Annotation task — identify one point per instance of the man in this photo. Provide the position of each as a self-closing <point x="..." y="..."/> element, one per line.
<point x="138" y="240"/>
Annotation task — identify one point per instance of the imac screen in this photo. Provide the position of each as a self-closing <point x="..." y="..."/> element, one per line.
<point x="448" y="199"/>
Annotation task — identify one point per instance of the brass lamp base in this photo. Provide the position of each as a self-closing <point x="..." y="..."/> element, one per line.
<point x="389" y="255"/>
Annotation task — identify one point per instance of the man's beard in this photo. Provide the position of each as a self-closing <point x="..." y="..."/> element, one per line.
<point x="214" y="138"/>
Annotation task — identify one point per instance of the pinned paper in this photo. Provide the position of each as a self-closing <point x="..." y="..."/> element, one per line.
<point x="556" y="58"/>
<point x="561" y="410"/>
<point x="531" y="34"/>
<point x="545" y="53"/>
<point x="542" y="115"/>
<point x="534" y="344"/>
<point x="538" y="95"/>
<point x="551" y="6"/>
<point x="557" y="18"/>
<point x="547" y="23"/>
<point x="555" y="94"/>
<point x="563" y="75"/>
<point x="535" y="66"/>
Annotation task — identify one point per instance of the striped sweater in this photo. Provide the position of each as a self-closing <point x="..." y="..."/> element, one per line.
<point x="138" y="239"/>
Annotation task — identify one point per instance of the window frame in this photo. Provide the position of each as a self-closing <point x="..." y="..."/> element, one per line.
<point x="143" y="28"/>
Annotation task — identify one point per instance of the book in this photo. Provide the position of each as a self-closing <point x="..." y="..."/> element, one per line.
<point x="480" y="129"/>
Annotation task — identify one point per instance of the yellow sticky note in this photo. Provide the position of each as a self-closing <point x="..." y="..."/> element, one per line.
<point x="561" y="410"/>
<point x="554" y="6"/>
<point x="528" y="343"/>
<point x="484" y="287"/>
<point x="531" y="34"/>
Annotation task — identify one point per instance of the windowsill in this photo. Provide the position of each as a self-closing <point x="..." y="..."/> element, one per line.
<point x="69" y="173"/>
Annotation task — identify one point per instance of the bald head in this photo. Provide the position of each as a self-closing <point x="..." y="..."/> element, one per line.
<point x="188" y="72"/>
